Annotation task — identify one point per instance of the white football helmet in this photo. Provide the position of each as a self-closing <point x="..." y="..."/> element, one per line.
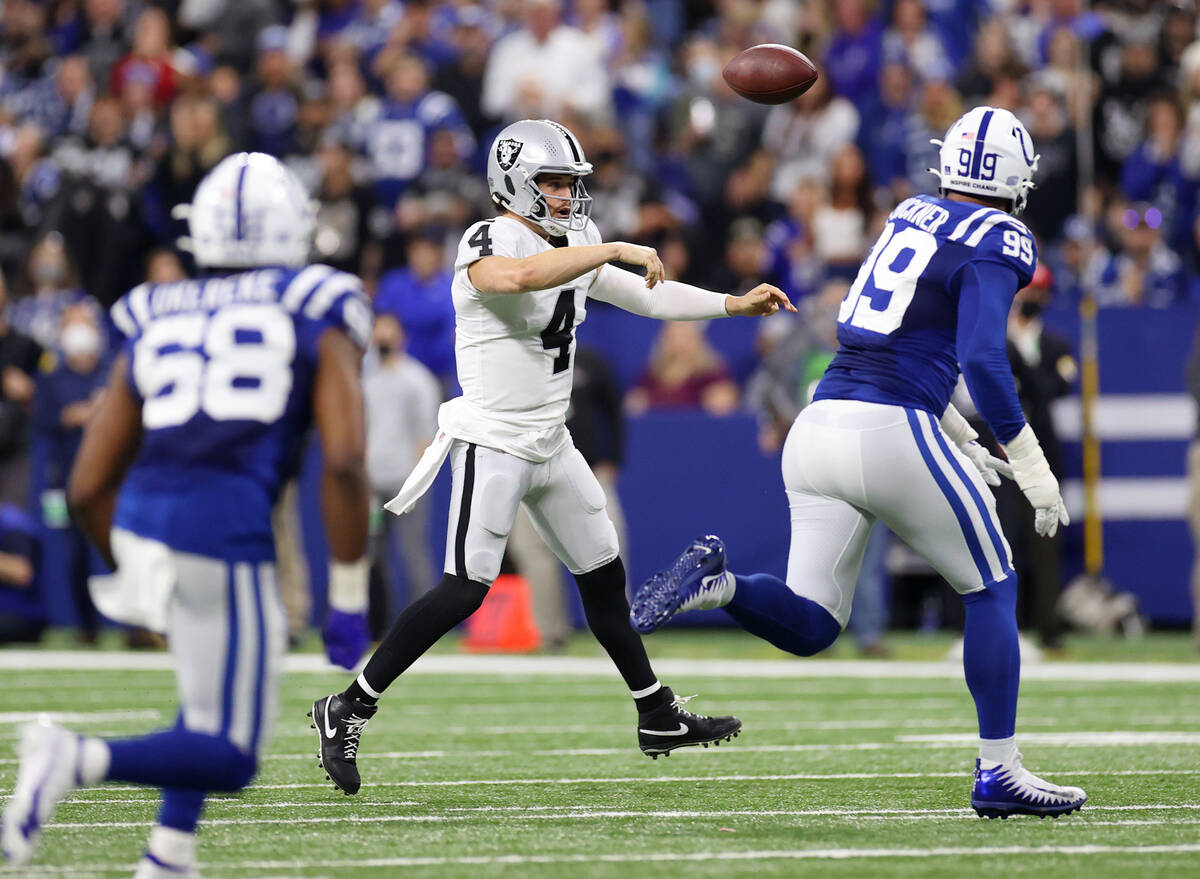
<point x="988" y="152"/>
<point x="526" y="149"/>
<point x="249" y="210"/>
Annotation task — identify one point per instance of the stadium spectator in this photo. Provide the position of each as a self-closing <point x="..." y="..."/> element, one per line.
<point x="418" y="296"/>
<point x="274" y="106"/>
<point x="19" y="356"/>
<point x="1045" y="370"/>
<point x="401" y="401"/>
<point x="462" y="77"/>
<point x="447" y="195"/>
<point x="805" y="135"/>
<point x="517" y="83"/>
<point x="853" y="57"/>
<point x="840" y="224"/>
<point x="164" y="267"/>
<point x="1144" y="271"/>
<point x="993" y="57"/>
<point x="22" y="612"/>
<point x="344" y="211"/>
<point x="789" y="240"/>
<point x="67" y="391"/>
<point x="148" y="64"/>
<point x="397" y="138"/>
<point x="911" y="42"/>
<point x="884" y="135"/>
<point x="1058" y="177"/>
<point x="684" y="372"/>
<point x="54" y="288"/>
<point x="1154" y="171"/>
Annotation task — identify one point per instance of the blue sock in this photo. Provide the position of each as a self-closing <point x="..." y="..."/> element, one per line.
<point x="181" y="809"/>
<point x="764" y="606"/>
<point x="180" y="758"/>
<point x="992" y="657"/>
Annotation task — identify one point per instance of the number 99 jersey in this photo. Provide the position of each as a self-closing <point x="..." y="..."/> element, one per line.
<point x="224" y="369"/>
<point x="898" y="324"/>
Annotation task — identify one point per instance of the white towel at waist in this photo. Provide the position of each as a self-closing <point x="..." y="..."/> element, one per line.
<point x="422" y="476"/>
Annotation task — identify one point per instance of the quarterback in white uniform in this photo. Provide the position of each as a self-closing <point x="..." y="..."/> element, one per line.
<point x="521" y="285"/>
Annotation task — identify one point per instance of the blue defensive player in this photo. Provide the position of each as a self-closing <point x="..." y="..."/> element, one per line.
<point x="882" y="443"/>
<point x="215" y="388"/>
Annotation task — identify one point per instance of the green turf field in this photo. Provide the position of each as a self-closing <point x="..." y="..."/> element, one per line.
<point x="534" y="773"/>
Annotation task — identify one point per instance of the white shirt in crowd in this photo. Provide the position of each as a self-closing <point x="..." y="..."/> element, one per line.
<point x="402" y="398"/>
<point x="566" y="68"/>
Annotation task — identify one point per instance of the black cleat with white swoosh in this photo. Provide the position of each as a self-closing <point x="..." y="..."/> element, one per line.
<point x="672" y="726"/>
<point x="339" y="723"/>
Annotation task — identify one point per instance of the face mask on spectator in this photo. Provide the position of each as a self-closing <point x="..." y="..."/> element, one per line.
<point x="48" y="272"/>
<point x="702" y="71"/>
<point x="80" y="340"/>
<point x="1031" y="308"/>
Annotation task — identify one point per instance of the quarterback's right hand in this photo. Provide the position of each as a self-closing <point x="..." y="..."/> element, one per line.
<point x="647" y="257"/>
<point x="1032" y="474"/>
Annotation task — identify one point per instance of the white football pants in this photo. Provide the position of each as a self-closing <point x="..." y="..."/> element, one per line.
<point x="565" y="503"/>
<point x="847" y="464"/>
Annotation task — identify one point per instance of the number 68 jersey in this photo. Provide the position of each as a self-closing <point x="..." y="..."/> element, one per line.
<point x="898" y="325"/>
<point x="224" y="369"/>
<point x="515" y="353"/>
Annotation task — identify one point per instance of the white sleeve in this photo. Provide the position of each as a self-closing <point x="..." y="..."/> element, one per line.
<point x="669" y="300"/>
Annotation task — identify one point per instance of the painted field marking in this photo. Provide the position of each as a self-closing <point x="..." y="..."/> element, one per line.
<point x="571" y="666"/>
<point x="464" y="814"/>
<point x="1123" y="738"/>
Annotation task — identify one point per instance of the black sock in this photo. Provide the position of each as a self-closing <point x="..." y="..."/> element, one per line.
<point x="416" y="630"/>
<point x="607" y="612"/>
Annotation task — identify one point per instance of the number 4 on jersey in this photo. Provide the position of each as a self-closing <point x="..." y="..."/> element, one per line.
<point x="559" y="333"/>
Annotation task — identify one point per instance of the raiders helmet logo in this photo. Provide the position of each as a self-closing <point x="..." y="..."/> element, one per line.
<point x="507" y="151"/>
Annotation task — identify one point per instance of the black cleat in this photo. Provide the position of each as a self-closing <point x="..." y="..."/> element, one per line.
<point x="339" y="723"/>
<point x="672" y="726"/>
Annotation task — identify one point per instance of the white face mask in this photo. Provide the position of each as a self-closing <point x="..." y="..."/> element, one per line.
<point x="80" y="340"/>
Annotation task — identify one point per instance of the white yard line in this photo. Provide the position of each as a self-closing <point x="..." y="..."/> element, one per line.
<point x="1122" y="738"/>
<point x="569" y="666"/>
<point x="605" y="814"/>
<point x="839" y="854"/>
<point x="79" y="716"/>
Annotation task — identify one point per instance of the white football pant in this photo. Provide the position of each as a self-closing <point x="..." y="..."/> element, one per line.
<point x="565" y="503"/>
<point x="847" y="464"/>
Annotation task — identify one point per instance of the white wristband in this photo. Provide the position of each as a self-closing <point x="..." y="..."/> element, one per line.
<point x="348" y="585"/>
<point x="1024" y="447"/>
<point x="956" y="427"/>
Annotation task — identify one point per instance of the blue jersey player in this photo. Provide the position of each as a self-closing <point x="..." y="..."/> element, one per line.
<point x="217" y="384"/>
<point x="881" y="443"/>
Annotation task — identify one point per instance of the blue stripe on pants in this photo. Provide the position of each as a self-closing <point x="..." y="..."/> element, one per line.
<point x="960" y="512"/>
<point x="231" y="656"/>
<point x="261" y="667"/>
<point x="984" y="513"/>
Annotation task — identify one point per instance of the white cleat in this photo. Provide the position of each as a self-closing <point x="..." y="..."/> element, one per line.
<point x="49" y="772"/>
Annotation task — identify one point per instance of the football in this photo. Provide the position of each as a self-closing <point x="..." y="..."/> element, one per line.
<point x="770" y="74"/>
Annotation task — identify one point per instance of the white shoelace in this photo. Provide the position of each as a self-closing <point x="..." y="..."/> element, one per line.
<point x="354" y="728"/>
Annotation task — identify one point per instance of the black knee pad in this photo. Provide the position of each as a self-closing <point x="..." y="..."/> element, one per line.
<point x="465" y="595"/>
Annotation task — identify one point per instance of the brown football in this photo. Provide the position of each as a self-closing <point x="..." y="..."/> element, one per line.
<point x="770" y="74"/>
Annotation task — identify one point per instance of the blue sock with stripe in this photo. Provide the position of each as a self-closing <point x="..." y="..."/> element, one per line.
<point x="181" y="758"/>
<point x="181" y="809"/>
<point x="992" y="656"/>
<point x="763" y="605"/>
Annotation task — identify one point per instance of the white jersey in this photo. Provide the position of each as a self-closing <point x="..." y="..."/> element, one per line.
<point x="515" y="353"/>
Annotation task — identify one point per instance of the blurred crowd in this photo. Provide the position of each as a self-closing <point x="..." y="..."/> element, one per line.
<point x="111" y="111"/>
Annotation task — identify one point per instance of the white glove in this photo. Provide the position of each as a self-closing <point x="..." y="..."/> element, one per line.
<point x="964" y="436"/>
<point x="1033" y="476"/>
<point x="983" y="462"/>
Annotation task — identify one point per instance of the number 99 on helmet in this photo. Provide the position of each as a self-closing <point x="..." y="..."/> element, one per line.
<point x="987" y="152"/>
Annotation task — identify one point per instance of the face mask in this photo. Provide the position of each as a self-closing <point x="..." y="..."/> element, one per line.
<point x="385" y="351"/>
<point x="80" y="340"/>
<point x="48" y="272"/>
<point x="702" y="71"/>
<point x="1031" y="308"/>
